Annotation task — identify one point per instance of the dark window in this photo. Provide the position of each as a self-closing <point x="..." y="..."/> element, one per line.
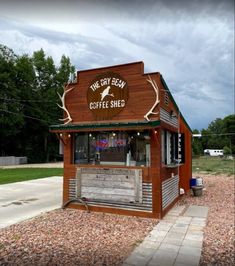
<point x="166" y="98"/>
<point x="81" y="148"/>
<point x="181" y="148"/>
<point x="174" y="147"/>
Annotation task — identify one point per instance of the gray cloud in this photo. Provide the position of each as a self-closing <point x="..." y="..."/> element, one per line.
<point x="190" y="43"/>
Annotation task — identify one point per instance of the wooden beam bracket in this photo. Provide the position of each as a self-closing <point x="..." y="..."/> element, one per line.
<point x="61" y="138"/>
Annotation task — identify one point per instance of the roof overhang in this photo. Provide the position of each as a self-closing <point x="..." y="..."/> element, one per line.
<point x="134" y="125"/>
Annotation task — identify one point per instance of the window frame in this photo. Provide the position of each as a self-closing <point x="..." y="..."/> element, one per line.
<point x="172" y="147"/>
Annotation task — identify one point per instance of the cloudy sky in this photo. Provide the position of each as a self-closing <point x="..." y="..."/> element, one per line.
<point x="190" y="42"/>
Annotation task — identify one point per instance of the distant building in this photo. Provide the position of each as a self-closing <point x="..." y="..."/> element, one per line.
<point x="197" y="135"/>
<point x="212" y="152"/>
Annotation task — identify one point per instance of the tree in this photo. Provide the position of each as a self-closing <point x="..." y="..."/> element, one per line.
<point x="28" y="98"/>
<point x="215" y="130"/>
<point x="219" y="134"/>
<point x="197" y="144"/>
<point x="11" y="119"/>
<point x="229" y="128"/>
<point x="226" y="151"/>
<point x="65" y="70"/>
<point x="49" y="81"/>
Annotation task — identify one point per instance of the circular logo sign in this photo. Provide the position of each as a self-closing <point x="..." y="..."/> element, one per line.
<point x="107" y="95"/>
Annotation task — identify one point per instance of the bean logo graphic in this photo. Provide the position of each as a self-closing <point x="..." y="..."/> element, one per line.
<point x="107" y="95"/>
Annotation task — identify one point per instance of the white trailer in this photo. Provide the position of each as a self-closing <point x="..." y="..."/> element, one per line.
<point x="212" y="152"/>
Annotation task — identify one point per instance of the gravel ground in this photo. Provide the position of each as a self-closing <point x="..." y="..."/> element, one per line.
<point x="218" y="244"/>
<point x="72" y="237"/>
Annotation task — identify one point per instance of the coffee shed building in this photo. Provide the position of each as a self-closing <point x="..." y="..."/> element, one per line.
<point x="127" y="147"/>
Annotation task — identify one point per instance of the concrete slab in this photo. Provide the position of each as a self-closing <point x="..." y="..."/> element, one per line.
<point x="169" y="247"/>
<point x="156" y="232"/>
<point x="144" y="252"/>
<point x="193" y="237"/>
<point x="154" y="237"/>
<point x="177" y="210"/>
<point x="170" y="218"/>
<point x="192" y="243"/>
<point x="189" y="250"/>
<point x="35" y="165"/>
<point x="163" y="258"/>
<point x="173" y="241"/>
<point x="178" y="225"/>
<point x="188" y="259"/>
<point x="195" y="227"/>
<point x="137" y="260"/>
<point x="184" y="220"/>
<point x="163" y="226"/>
<point x="23" y="200"/>
<point x="149" y="244"/>
<point x="178" y="230"/>
<point x="196" y="211"/>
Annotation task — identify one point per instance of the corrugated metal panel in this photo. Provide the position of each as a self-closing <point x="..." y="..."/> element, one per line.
<point x="147" y="194"/>
<point x="167" y="118"/>
<point x="170" y="191"/>
<point x="72" y="188"/>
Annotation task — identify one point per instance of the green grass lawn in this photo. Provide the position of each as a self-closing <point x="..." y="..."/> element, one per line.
<point x="24" y="174"/>
<point x="215" y="165"/>
<point x="203" y="164"/>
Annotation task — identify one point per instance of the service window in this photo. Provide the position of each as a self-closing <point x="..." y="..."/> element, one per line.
<point x="172" y="147"/>
<point x="128" y="148"/>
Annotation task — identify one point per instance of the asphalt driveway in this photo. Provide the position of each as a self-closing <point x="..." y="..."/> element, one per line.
<point x="23" y="200"/>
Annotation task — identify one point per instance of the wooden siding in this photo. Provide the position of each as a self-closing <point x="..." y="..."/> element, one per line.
<point x="186" y="168"/>
<point x="114" y="184"/>
<point x="138" y="86"/>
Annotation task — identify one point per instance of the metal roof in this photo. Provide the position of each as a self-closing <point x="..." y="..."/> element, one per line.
<point x="105" y="125"/>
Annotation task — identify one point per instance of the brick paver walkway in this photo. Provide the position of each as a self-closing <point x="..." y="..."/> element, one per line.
<point x="176" y="240"/>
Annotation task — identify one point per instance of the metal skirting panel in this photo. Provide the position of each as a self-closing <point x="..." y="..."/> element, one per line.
<point x="72" y="188"/>
<point x="146" y="197"/>
<point x="167" y="118"/>
<point x="170" y="191"/>
<point x="147" y="194"/>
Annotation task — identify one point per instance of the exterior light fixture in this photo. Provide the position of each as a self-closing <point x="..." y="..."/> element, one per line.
<point x="172" y="114"/>
<point x="61" y="135"/>
<point x="138" y="133"/>
<point x="69" y="136"/>
<point x="90" y="135"/>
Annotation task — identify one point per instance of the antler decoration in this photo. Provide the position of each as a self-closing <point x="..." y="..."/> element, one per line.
<point x="157" y="101"/>
<point x="63" y="107"/>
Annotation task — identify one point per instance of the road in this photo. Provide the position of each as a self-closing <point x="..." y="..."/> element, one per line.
<point x="23" y="200"/>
